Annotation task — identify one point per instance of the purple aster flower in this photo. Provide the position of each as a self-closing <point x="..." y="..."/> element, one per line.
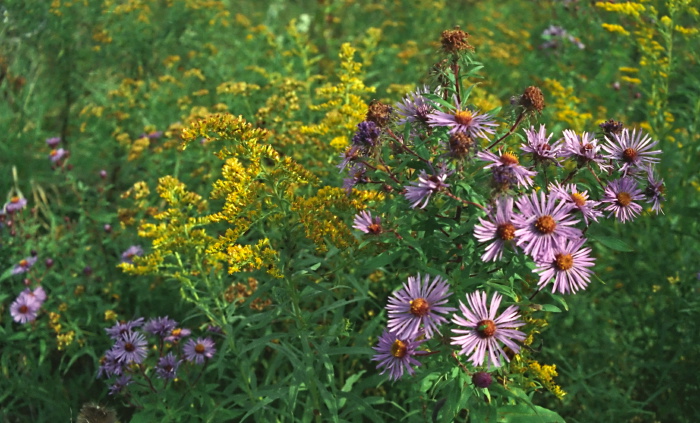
<point x="161" y="326"/>
<point x="15" y="204"/>
<point x="110" y="365"/>
<point x="350" y="154"/>
<point x="543" y="223"/>
<point x="366" y="223"/>
<point x="414" y="107"/>
<point x="654" y="192"/>
<point x="131" y="252"/>
<point x="167" y="366"/>
<point x="578" y="200"/>
<point x="120" y="329"/>
<point x="53" y="141"/>
<point x="197" y="351"/>
<point x="538" y="145"/>
<point x="633" y="150"/>
<point x="38" y="295"/>
<point x="419" y="303"/>
<point x="58" y="155"/>
<point x="177" y="334"/>
<point x="569" y="267"/>
<point x="131" y="347"/>
<point x="483" y="330"/>
<point x="120" y="384"/>
<point x="507" y="160"/>
<point x="24" y="265"/>
<point x="367" y="135"/>
<point x="358" y="175"/>
<point x="475" y="124"/>
<point x="24" y="308"/>
<point x="420" y="192"/>
<point x="499" y="228"/>
<point x="396" y="354"/>
<point x="622" y="194"/>
<point x="584" y="149"/>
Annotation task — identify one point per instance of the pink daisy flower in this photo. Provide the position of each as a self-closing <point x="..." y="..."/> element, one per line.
<point x="569" y="267"/>
<point x="464" y="120"/>
<point x="499" y="228"/>
<point x="621" y="195"/>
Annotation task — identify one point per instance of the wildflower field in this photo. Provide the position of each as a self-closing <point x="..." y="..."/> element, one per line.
<point x="349" y="211"/>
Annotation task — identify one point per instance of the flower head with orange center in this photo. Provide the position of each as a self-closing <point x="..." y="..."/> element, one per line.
<point x="569" y="267"/>
<point x="418" y="306"/>
<point x="15" y="204"/>
<point x="621" y="196"/>
<point x="498" y="227"/>
<point x="583" y="148"/>
<point x="366" y="223"/>
<point x="509" y="160"/>
<point x="544" y="222"/>
<point x="484" y="331"/>
<point x="199" y="350"/>
<point x="631" y="150"/>
<point x="24" y="265"/>
<point x="473" y="123"/>
<point x="539" y="147"/>
<point x="396" y="354"/>
<point x="654" y="192"/>
<point x="579" y="200"/>
<point x="418" y="193"/>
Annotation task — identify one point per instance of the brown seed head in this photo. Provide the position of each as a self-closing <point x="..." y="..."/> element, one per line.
<point x="379" y="113"/>
<point x="532" y="99"/>
<point x="612" y="127"/>
<point x="455" y="40"/>
<point x="460" y="144"/>
<point x="624" y="199"/>
<point x="486" y="328"/>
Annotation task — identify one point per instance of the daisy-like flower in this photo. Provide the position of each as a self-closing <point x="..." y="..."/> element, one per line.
<point x="177" y="334"/>
<point x="475" y="124"/>
<point x="161" y="326"/>
<point x="579" y="200"/>
<point x="396" y="354"/>
<point x="357" y="173"/>
<point x="24" y="308"/>
<point x="167" y="366"/>
<point x="507" y="160"/>
<point x="483" y="330"/>
<point x="420" y="192"/>
<point x="131" y="252"/>
<point x="538" y="145"/>
<point x="131" y="347"/>
<point x="621" y="195"/>
<point x="24" y="265"/>
<point x="38" y="295"/>
<point x="110" y="365"/>
<point x="584" y="149"/>
<point x="122" y="382"/>
<point x="122" y="328"/>
<point x="15" y="204"/>
<point x="569" y="267"/>
<point x="654" y="192"/>
<point x="53" y="141"/>
<point x="199" y="350"/>
<point x="419" y="303"/>
<point x="366" y="223"/>
<point x="633" y="150"/>
<point x="543" y="223"/>
<point x="349" y="155"/>
<point x="414" y="107"/>
<point x="58" y="155"/>
<point x="498" y="227"/>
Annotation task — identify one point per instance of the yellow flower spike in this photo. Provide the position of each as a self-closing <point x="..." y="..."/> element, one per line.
<point x="614" y="28"/>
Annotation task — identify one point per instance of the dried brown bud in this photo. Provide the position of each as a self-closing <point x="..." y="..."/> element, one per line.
<point x="455" y="40"/>
<point x="532" y="99"/>
<point x="612" y="127"/>
<point x="379" y="113"/>
<point x="460" y="145"/>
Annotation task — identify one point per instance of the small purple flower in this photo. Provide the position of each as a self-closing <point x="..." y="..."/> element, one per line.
<point x="419" y="303"/>
<point x="155" y="135"/>
<point x="420" y="192"/>
<point x="167" y="366"/>
<point x="483" y="330"/>
<point x="15" y="204"/>
<point x="654" y="192"/>
<point x="349" y="155"/>
<point x="38" y="294"/>
<point x="58" y="155"/>
<point x="538" y="145"/>
<point x="120" y="329"/>
<point x="475" y="124"/>
<point x="24" y="265"/>
<point x="131" y="252"/>
<point x="177" y="334"/>
<point x="414" y="107"/>
<point x="367" y="135"/>
<point x="632" y="150"/>
<point x="499" y="228"/>
<point x="357" y="173"/>
<point x="396" y="354"/>
<point x="53" y="141"/>
<point x="584" y="149"/>
<point x="24" y="308"/>
<point x="161" y="326"/>
<point x="197" y="351"/>
<point x="569" y="267"/>
<point x="120" y="384"/>
<point x="622" y="194"/>
<point x="542" y="224"/>
<point x="366" y="223"/>
<point x="103" y="174"/>
<point x="131" y="347"/>
<point x="510" y="161"/>
<point x="482" y="379"/>
<point x="578" y="200"/>
<point x="110" y="365"/>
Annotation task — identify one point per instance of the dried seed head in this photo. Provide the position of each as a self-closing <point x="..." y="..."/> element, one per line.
<point x="460" y="145"/>
<point x="455" y="40"/>
<point x="612" y="127"/>
<point x="532" y="99"/>
<point x="379" y="113"/>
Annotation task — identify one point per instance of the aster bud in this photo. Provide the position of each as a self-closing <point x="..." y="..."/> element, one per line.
<point x="482" y="379"/>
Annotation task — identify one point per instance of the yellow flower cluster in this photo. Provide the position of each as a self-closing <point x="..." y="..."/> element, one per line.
<point x="565" y="105"/>
<point x="614" y="28"/>
<point x="627" y="8"/>
<point x="545" y="374"/>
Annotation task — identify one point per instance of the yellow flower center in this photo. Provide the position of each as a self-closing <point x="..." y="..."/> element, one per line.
<point x="199" y="349"/>
<point x="399" y="349"/>
<point x="419" y="307"/>
<point x="506" y="231"/>
<point x="545" y="224"/>
<point x="509" y="159"/>
<point x="578" y="199"/>
<point x="374" y="228"/>
<point x="486" y="328"/>
<point x="563" y="261"/>
<point x="14" y="200"/>
<point x="629" y="155"/>
<point x="463" y="117"/>
<point x="623" y="199"/>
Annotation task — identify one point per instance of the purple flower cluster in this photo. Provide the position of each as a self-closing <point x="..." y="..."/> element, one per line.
<point x="418" y="310"/>
<point x="131" y="349"/>
<point x="14" y="205"/>
<point x="25" y="308"/>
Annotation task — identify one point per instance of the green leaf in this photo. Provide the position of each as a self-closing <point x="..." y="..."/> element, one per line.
<point x="523" y="413"/>
<point x="614" y="244"/>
